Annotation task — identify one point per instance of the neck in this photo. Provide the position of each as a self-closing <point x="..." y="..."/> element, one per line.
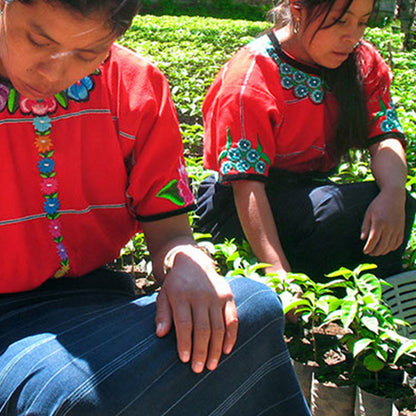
<point x="291" y="44"/>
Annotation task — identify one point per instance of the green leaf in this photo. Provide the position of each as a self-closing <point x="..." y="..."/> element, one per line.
<point x="408" y="347"/>
<point x="347" y="321"/>
<point x="371" y="323"/>
<point x="360" y="346"/>
<point x="346" y="273"/>
<point x="368" y="283"/>
<point x="373" y="363"/>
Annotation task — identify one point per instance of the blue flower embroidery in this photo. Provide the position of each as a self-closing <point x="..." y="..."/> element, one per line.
<point x="314" y="82"/>
<point x="302" y="83"/>
<point x="285" y="69"/>
<point x="42" y="124"/>
<point x="287" y="83"/>
<point x="387" y="126"/>
<point x="226" y="167"/>
<point x="51" y="205"/>
<point x="80" y="90"/>
<point x="234" y="154"/>
<point x="242" y="157"/>
<point x="260" y="166"/>
<point x="390" y="120"/>
<point x="46" y="165"/>
<point x="253" y="155"/>
<point x="244" y="145"/>
<point x="242" y="166"/>
<point x="317" y="96"/>
<point x="301" y="91"/>
<point x="299" y="76"/>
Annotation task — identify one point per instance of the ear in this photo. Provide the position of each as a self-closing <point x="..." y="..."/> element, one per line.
<point x="296" y="9"/>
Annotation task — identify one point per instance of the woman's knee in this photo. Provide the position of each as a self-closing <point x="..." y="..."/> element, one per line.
<point x="257" y="304"/>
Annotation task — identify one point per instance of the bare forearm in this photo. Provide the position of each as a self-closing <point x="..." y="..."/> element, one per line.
<point x="389" y="165"/>
<point x="258" y="223"/>
<point x="162" y="236"/>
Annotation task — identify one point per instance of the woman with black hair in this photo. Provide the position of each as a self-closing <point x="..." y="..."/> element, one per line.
<point x="92" y="153"/>
<point x="279" y="117"/>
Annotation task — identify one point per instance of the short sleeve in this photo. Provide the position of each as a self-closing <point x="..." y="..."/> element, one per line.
<point x="240" y="117"/>
<point x="377" y="77"/>
<point x="158" y="185"/>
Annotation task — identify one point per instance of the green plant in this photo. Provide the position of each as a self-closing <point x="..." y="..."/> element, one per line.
<point x="311" y="302"/>
<point x="372" y="337"/>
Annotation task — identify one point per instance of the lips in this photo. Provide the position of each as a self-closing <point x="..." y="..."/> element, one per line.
<point x="342" y="53"/>
<point x="33" y="92"/>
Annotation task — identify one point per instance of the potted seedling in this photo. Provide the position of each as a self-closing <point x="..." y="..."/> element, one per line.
<point x="372" y="341"/>
<point x="313" y="345"/>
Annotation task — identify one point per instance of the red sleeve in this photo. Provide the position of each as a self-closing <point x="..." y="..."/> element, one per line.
<point x="377" y="77"/>
<point x="158" y="182"/>
<point x="240" y="117"/>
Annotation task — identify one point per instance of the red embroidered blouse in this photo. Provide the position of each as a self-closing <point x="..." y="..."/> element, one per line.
<point x="266" y="110"/>
<point x="81" y="169"/>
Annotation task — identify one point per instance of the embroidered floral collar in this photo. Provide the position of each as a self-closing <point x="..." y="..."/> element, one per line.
<point x="303" y="80"/>
<point x="13" y="101"/>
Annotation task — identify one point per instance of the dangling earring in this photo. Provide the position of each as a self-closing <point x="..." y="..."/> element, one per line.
<point x="296" y="27"/>
<point x="1" y="12"/>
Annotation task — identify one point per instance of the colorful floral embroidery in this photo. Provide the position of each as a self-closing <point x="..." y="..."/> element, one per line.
<point x="177" y="191"/>
<point x="42" y="123"/>
<point x="43" y="143"/>
<point x="4" y="96"/>
<point x="80" y="90"/>
<point x="301" y="83"/>
<point x="49" y="186"/>
<point x="38" y="107"/>
<point x="391" y="121"/>
<point x="242" y="157"/>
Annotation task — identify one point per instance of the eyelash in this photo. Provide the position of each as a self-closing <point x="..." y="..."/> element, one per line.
<point x="362" y="24"/>
<point x="86" y="60"/>
<point x="43" y="45"/>
<point x="36" y="44"/>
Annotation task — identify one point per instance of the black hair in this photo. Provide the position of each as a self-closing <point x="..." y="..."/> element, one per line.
<point x="120" y="12"/>
<point x="345" y="82"/>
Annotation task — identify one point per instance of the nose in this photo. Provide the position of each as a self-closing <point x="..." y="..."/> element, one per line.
<point x="53" y="68"/>
<point x="353" y="33"/>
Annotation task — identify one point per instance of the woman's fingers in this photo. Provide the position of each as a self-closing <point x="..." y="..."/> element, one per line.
<point x="231" y="326"/>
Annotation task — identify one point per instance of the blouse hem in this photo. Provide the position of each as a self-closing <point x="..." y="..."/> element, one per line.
<point x="163" y="215"/>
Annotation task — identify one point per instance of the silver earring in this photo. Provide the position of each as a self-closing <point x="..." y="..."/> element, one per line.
<point x="296" y="27"/>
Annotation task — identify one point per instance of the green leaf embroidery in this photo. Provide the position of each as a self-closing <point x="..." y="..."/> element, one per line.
<point x="171" y="192"/>
<point x="13" y="101"/>
<point x="223" y="154"/>
<point x="229" y="138"/>
<point x="43" y="133"/>
<point x="62" y="99"/>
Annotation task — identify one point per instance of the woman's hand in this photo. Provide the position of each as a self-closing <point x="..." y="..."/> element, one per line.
<point x="201" y="306"/>
<point x="384" y="222"/>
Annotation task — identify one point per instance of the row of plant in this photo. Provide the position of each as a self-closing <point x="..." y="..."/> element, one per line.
<point x="342" y="329"/>
<point x="231" y="9"/>
<point x="191" y="50"/>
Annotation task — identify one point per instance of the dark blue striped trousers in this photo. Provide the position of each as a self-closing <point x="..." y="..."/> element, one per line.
<point x="66" y="350"/>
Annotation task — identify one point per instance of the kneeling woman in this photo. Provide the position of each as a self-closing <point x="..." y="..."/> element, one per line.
<point x="279" y="117"/>
<point x="91" y="151"/>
